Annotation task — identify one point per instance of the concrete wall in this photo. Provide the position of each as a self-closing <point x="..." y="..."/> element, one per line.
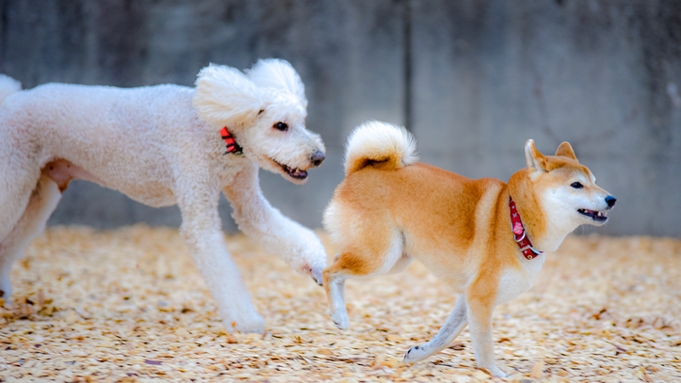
<point x="472" y="79"/>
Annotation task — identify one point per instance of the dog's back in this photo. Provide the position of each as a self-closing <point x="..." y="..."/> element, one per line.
<point x="92" y="113"/>
<point x="92" y="104"/>
<point x="399" y="208"/>
<point x="8" y="86"/>
<point x="103" y="130"/>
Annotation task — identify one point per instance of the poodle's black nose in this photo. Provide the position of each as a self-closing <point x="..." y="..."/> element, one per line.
<point x="610" y="200"/>
<point x="317" y="158"/>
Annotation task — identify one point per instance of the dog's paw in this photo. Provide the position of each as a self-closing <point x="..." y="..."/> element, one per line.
<point x="415" y="354"/>
<point x="495" y="371"/>
<point x="251" y="324"/>
<point x="341" y="320"/>
<point x="5" y="292"/>
<point x="313" y="271"/>
<point x="316" y="274"/>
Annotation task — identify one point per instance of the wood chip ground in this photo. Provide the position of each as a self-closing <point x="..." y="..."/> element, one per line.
<point x="129" y="306"/>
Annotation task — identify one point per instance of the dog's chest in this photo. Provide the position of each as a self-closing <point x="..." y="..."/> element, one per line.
<point x="229" y="166"/>
<point x="516" y="281"/>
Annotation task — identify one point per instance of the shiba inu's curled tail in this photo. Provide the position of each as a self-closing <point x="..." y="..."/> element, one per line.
<point x="379" y="143"/>
<point x="8" y="86"/>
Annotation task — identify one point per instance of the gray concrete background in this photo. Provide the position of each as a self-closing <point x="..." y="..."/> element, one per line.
<point x="472" y="79"/>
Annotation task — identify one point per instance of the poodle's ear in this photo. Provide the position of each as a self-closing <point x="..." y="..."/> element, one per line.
<point x="224" y="96"/>
<point x="276" y="73"/>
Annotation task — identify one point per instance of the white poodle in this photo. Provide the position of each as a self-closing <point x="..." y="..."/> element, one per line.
<point x="163" y="145"/>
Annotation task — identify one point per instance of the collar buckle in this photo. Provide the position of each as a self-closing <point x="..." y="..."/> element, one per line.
<point x="523" y="235"/>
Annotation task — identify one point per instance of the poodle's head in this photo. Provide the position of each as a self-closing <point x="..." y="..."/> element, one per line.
<point x="265" y="110"/>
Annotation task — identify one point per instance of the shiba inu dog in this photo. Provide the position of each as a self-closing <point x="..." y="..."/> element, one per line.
<point x="483" y="235"/>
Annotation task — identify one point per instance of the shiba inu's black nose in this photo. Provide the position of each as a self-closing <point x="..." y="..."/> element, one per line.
<point x="317" y="158"/>
<point x="610" y="200"/>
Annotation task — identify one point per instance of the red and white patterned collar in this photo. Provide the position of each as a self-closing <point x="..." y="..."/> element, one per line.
<point x="520" y="234"/>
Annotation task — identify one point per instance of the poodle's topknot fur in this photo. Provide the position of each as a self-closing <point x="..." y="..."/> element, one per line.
<point x="279" y="74"/>
<point x="224" y="96"/>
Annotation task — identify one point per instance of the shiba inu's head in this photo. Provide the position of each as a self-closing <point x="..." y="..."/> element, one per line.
<point x="265" y="110"/>
<point x="566" y="189"/>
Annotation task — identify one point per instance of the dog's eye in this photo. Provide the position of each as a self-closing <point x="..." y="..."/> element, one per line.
<point x="577" y="185"/>
<point x="281" y="126"/>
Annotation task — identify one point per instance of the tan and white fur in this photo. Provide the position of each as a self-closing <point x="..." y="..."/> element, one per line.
<point x="161" y="145"/>
<point x="390" y="209"/>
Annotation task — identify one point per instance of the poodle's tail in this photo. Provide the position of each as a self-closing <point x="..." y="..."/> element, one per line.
<point x="379" y="143"/>
<point x="8" y="86"/>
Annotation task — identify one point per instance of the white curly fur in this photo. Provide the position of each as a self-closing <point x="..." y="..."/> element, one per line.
<point x="280" y="74"/>
<point x="225" y="97"/>
<point x="379" y="141"/>
<point x="8" y="86"/>
<point x="161" y="145"/>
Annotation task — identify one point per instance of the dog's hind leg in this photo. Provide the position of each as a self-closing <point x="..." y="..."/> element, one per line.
<point x="15" y="191"/>
<point x="42" y="202"/>
<point x="334" y="284"/>
<point x="377" y="251"/>
<point x="456" y="322"/>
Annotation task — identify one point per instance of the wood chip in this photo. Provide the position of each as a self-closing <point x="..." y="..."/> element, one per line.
<point x="537" y="369"/>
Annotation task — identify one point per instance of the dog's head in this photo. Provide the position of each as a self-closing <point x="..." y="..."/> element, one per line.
<point x="566" y="189"/>
<point x="265" y="110"/>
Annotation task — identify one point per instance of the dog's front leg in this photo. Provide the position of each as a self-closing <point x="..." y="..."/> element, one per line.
<point x="480" y="305"/>
<point x="201" y="229"/>
<point x="456" y="322"/>
<point x="297" y="245"/>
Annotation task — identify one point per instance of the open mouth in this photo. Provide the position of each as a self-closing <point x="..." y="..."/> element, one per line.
<point x="296" y="173"/>
<point x="598" y="216"/>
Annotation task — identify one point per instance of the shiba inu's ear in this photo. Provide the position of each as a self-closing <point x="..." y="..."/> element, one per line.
<point x="535" y="160"/>
<point x="565" y="150"/>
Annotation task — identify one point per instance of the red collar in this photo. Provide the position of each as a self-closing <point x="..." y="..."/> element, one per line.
<point x="232" y="146"/>
<point x="520" y="234"/>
